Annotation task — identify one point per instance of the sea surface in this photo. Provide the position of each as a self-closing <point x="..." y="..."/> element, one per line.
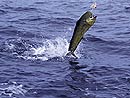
<point x="34" y="39"/>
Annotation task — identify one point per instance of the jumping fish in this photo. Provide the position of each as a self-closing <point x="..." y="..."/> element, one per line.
<point x="82" y="26"/>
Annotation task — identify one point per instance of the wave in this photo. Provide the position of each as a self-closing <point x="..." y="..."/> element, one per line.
<point x="110" y="46"/>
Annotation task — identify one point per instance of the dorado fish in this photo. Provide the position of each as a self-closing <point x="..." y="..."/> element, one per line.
<point x="82" y="26"/>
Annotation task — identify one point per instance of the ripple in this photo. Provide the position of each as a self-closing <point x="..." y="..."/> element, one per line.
<point x="24" y="9"/>
<point x="2" y="12"/>
<point x="108" y="79"/>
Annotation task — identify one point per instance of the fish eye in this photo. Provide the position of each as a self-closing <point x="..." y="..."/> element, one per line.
<point x="91" y="17"/>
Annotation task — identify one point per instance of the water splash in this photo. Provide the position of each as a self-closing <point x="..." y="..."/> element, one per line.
<point x="50" y="49"/>
<point x="45" y="50"/>
<point x="11" y="89"/>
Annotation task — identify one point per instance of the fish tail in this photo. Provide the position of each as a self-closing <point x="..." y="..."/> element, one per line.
<point x="69" y="54"/>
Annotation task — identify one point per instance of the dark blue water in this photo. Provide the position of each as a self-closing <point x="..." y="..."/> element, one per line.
<point x="34" y="38"/>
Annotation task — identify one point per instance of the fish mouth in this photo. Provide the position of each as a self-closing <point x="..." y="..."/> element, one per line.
<point x="94" y="16"/>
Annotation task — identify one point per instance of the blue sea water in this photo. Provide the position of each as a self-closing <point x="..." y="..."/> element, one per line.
<point x="34" y="38"/>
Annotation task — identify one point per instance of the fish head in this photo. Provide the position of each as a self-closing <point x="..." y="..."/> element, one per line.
<point x="90" y="18"/>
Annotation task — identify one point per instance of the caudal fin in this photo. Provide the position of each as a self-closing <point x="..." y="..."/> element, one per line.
<point x="71" y="54"/>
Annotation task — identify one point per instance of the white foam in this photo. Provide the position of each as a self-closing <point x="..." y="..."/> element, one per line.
<point x="11" y="89"/>
<point x="53" y="48"/>
<point x="50" y="49"/>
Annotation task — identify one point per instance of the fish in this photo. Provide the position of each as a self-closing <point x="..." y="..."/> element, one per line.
<point x="82" y="26"/>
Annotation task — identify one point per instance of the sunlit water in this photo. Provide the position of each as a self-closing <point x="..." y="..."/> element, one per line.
<point x="34" y="39"/>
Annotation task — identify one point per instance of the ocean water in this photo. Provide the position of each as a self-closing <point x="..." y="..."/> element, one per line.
<point x="34" y="39"/>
